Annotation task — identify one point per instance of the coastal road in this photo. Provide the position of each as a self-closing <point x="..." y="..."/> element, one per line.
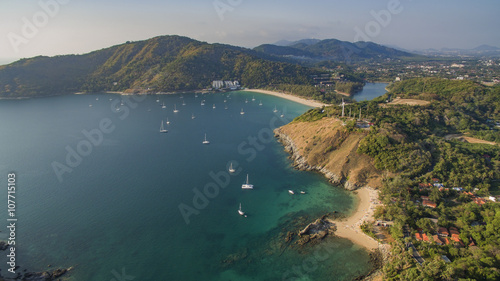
<point x="416" y="254"/>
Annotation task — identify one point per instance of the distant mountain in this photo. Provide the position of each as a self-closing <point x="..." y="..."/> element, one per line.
<point x="165" y="63"/>
<point x="332" y="50"/>
<point x="486" y="48"/>
<point x="290" y="43"/>
<point x="480" y="51"/>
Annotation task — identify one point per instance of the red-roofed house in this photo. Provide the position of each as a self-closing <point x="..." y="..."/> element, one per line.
<point x="443" y="232"/>
<point x="425" y="238"/>
<point x="479" y="201"/>
<point x="454" y="230"/>
<point x="429" y="203"/>
<point x="437" y="240"/>
<point x="457" y="239"/>
<point x="418" y="236"/>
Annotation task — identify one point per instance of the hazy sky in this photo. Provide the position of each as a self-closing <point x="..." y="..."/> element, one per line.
<point x="51" y="27"/>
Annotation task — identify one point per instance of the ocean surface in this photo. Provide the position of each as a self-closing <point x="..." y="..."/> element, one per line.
<point x="371" y="91"/>
<point x="101" y="190"/>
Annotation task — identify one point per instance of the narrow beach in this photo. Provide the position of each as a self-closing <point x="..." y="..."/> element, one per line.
<point x="297" y="99"/>
<point x="350" y="227"/>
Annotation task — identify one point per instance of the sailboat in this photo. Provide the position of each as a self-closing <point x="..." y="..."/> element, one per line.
<point x="203" y="102"/>
<point x="275" y="109"/>
<point x="183" y="102"/>
<point x="192" y="116"/>
<point x="246" y="100"/>
<point x="231" y="169"/>
<point x="168" y="122"/>
<point x="162" y="129"/>
<point x="291" y="192"/>
<point x="253" y="98"/>
<point x="213" y="106"/>
<point x="260" y="103"/>
<point x="240" y="211"/>
<point x="205" y="141"/>
<point x="247" y="185"/>
<point x="242" y="112"/>
<point x="163" y="105"/>
<point x="157" y="99"/>
<point x="175" y="108"/>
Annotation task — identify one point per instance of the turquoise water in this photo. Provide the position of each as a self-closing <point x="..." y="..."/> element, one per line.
<point x="371" y="91"/>
<point x="115" y="207"/>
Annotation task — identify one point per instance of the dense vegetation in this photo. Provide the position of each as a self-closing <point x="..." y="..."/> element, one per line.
<point x="349" y="87"/>
<point x="166" y="63"/>
<point x="408" y="142"/>
<point x="333" y="50"/>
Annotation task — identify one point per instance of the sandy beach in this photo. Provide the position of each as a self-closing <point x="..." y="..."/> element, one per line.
<point x="350" y="228"/>
<point x="297" y="99"/>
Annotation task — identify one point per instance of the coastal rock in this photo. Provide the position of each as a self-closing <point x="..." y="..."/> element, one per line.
<point x="301" y="163"/>
<point x="316" y="231"/>
<point x="3" y="245"/>
<point x="45" y="275"/>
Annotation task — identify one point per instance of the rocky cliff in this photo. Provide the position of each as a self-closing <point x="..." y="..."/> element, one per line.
<point x="325" y="146"/>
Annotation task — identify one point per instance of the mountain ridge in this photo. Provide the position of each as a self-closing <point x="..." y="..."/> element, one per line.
<point x="332" y="50"/>
<point x="162" y="63"/>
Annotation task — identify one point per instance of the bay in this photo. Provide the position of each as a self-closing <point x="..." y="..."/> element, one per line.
<point x="117" y="210"/>
<point x="371" y="91"/>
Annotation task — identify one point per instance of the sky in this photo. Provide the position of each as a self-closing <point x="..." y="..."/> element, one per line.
<point x="56" y="27"/>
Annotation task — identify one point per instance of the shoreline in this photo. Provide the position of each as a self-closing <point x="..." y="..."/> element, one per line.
<point x="349" y="227"/>
<point x="297" y="99"/>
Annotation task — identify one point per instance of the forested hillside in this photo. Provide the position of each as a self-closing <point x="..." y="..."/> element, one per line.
<point x="166" y="63"/>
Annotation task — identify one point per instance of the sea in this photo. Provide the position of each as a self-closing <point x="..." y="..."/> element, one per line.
<point x="99" y="189"/>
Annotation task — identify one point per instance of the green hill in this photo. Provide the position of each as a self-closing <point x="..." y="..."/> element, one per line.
<point x="334" y="50"/>
<point x="165" y="63"/>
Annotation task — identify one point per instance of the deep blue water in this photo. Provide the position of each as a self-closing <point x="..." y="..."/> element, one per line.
<point x="115" y="207"/>
<point x="371" y="91"/>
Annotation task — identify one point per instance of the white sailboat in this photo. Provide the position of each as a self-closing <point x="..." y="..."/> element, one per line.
<point x="192" y="116"/>
<point x="242" y="112"/>
<point x="253" y="98"/>
<point x="163" y="105"/>
<point x="213" y="106"/>
<point x="168" y="122"/>
<point x="247" y="185"/>
<point x="231" y="169"/>
<point x="205" y="141"/>
<point x="275" y="109"/>
<point x="162" y="129"/>
<point x="260" y="103"/>
<point x="203" y="102"/>
<point x="183" y="102"/>
<point x="175" y="108"/>
<point x="240" y="211"/>
<point x="291" y="192"/>
<point x="246" y="100"/>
